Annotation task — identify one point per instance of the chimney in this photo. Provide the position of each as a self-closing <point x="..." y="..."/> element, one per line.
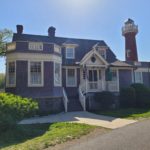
<point x="51" y="31"/>
<point x="19" y="29"/>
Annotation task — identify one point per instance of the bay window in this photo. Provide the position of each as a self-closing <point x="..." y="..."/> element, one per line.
<point x="57" y="74"/>
<point x="35" y="73"/>
<point x="11" y="78"/>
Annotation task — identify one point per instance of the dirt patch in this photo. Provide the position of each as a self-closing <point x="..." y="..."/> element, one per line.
<point x="96" y="132"/>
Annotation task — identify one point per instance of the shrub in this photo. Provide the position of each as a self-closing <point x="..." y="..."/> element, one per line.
<point x="127" y="97"/>
<point x="105" y="98"/>
<point x="142" y="95"/>
<point x="13" y="108"/>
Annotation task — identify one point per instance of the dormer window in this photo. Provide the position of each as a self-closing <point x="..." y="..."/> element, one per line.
<point x="70" y="52"/>
<point x="36" y="46"/>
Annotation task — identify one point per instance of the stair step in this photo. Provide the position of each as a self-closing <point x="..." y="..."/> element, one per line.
<point x="74" y="105"/>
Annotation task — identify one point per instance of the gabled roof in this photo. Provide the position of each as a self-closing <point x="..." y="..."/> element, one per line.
<point x="89" y="55"/>
<point x="84" y="45"/>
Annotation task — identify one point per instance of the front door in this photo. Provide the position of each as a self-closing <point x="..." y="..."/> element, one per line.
<point x="93" y="79"/>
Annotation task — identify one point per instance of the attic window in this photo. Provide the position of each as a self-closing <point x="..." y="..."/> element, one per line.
<point x="35" y="46"/>
<point x="102" y="51"/>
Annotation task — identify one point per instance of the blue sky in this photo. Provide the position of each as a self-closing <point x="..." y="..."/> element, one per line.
<point x="91" y="19"/>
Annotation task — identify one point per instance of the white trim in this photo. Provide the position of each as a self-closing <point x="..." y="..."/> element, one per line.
<point x="56" y="85"/>
<point x="33" y="56"/>
<point x="121" y="68"/>
<point x="65" y="67"/>
<point x="7" y="74"/>
<point x="143" y="69"/>
<point x="58" y="49"/>
<point x="75" y="85"/>
<point x="69" y="47"/>
<point x="42" y="74"/>
<point x="10" y="46"/>
<point x="89" y="54"/>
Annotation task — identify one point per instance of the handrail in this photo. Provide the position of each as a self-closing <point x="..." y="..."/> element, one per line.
<point x="82" y="99"/>
<point x="65" y="100"/>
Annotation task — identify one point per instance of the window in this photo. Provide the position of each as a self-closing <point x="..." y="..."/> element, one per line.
<point x="138" y="77"/>
<point x="128" y="53"/>
<point x="70" y="53"/>
<point x="102" y="51"/>
<point x="71" y="78"/>
<point x="35" y="74"/>
<point x="57" y="74"/>
<point x="57" y="49"/>
<point x="35" y="46"/>
<point x="11" y="79"/>
<point x="113" y="75"/>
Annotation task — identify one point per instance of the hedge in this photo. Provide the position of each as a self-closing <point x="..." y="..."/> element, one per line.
<point x="105" y="98"/>
<point x="14" y="108"/>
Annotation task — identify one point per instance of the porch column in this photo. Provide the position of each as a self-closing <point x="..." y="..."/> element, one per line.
<point x="103" y="80"/>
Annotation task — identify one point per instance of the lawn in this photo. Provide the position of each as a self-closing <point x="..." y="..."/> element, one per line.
<point x="40" y="136"/>
<point x="129" y="113"/>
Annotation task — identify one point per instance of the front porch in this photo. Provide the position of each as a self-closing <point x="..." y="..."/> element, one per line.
<point x="95" y="80"/>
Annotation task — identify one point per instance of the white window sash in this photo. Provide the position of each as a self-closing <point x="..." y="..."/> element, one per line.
<point x="57" y="75"/>
<point x="69" y="80"/>
<point x="32" y="77"/>
<point x="68" y="52"/>
<point x="138" y="77"/>
<point x="10" y="77"/>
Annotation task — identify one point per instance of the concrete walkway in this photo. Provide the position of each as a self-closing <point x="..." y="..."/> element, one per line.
<point x="81" y="117"/>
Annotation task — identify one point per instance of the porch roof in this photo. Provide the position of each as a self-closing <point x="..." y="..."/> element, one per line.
<point x="119" y="63"/>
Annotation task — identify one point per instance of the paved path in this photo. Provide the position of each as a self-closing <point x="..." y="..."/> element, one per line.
<point x="81" y="117"/>
<point x="132" y="137"/>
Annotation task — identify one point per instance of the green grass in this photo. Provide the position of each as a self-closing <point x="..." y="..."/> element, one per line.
<point x="129" y="113"/>
<point x="40" y="136"/>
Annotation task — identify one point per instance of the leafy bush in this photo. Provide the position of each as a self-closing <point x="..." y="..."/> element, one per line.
<point x="105" y="98"/>
<point x="128" y="97"/>
<point x="142" y="95"/>
<point x="13" y="108"/>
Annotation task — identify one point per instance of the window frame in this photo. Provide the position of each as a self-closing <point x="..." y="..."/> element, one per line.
<point x="55" y="84"/>
<point x="34" y="49"/>
<point x="75" y="76"/>
<point x="29" y="74"/>
<point x="7" y="76"/>
<point x="73" y="56"/>
<point x="141" y="76"/>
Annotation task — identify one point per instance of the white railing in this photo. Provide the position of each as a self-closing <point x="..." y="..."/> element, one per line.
<point x="82" y="99"/>
<point x="65" y="100"/>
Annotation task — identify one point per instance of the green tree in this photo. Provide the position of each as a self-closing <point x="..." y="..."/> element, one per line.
<point x="2" y="81"/>
<point x="5" y="36"/>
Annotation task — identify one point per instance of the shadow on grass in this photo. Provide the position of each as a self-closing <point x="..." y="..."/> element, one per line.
<point x="21" y="133"/>
<point x="133" y="113"/>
